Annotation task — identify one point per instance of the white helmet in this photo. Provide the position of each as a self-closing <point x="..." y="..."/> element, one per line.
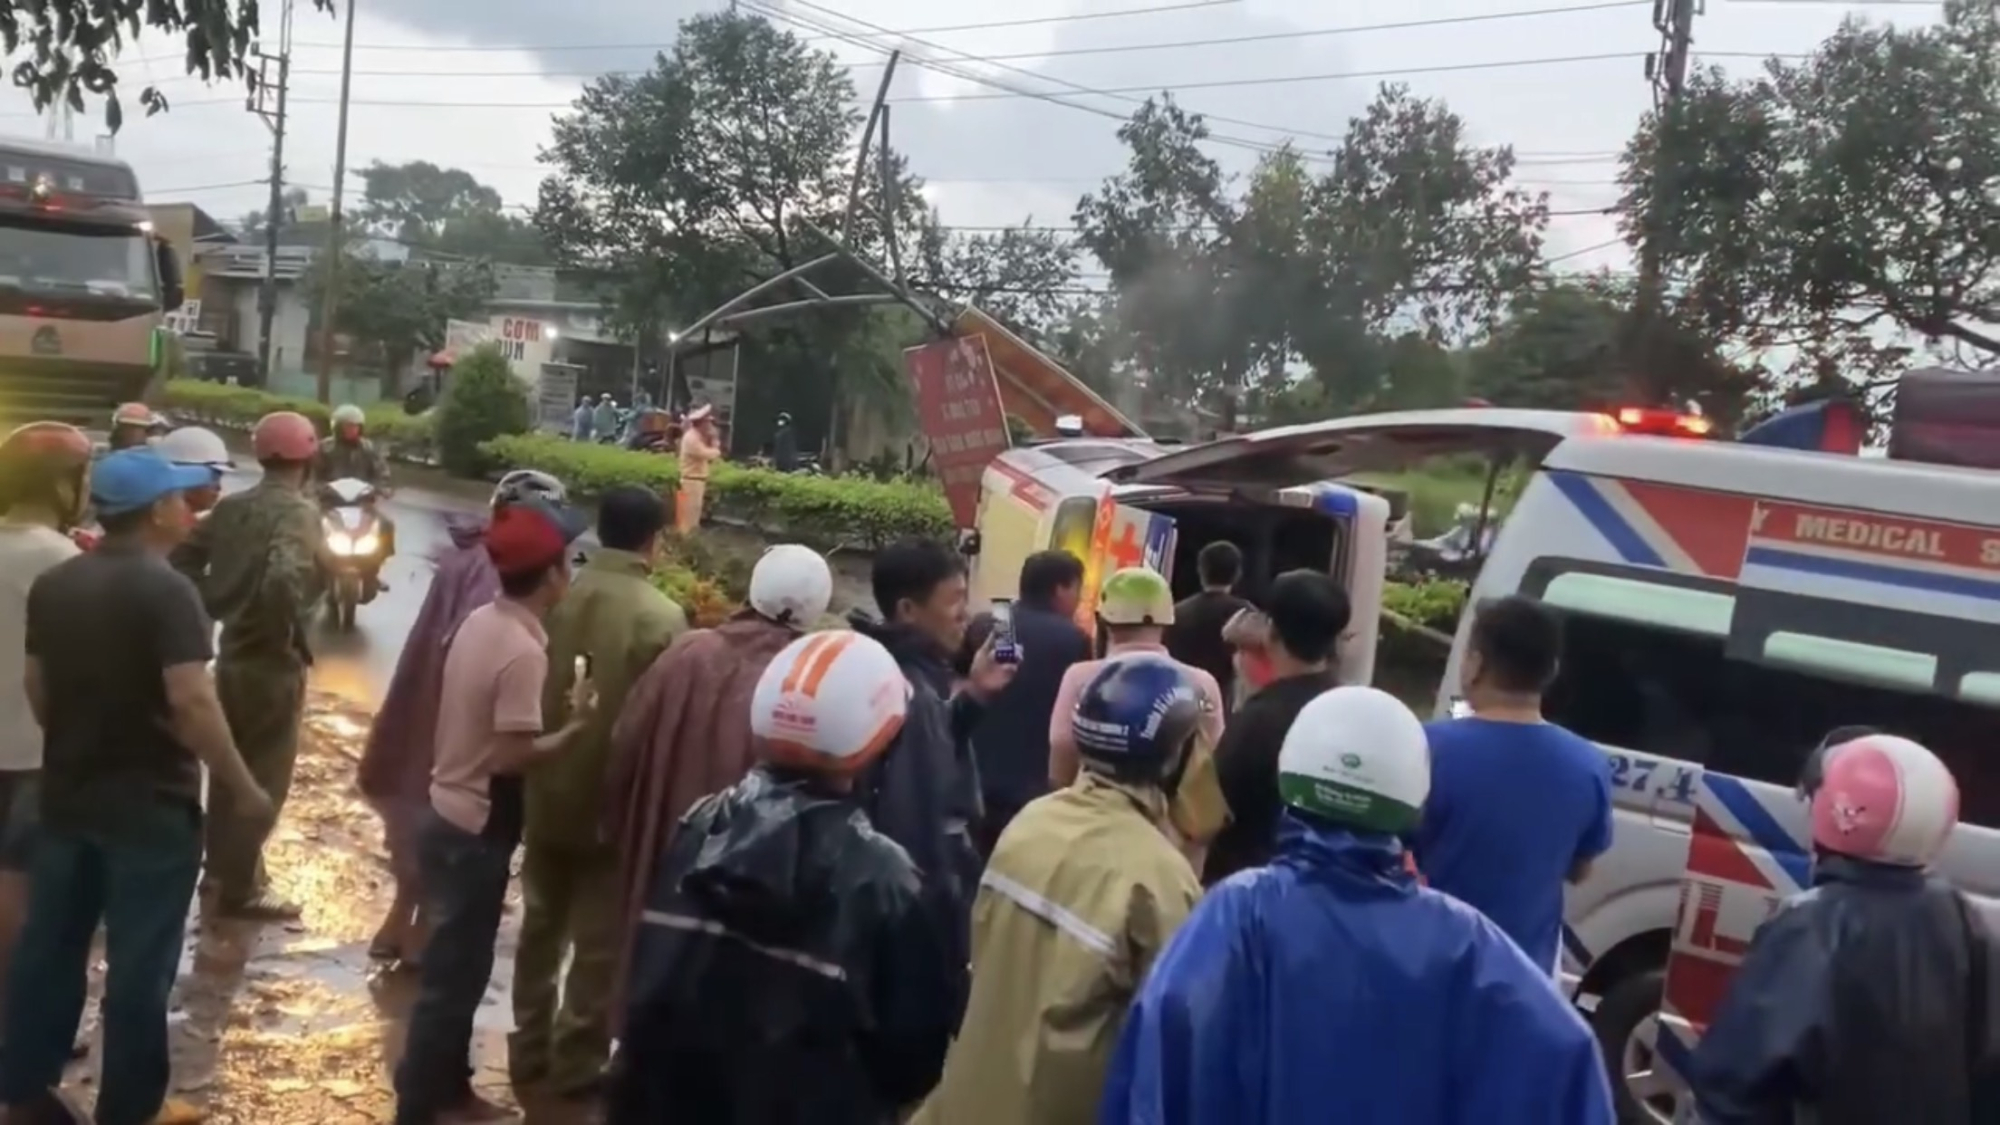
<point x="791" y="585"/>
<point x="348" y="414"/>
<point x="829" y="702"/>
<point x="1356" y="756"/>
<point x="193" y="445"/>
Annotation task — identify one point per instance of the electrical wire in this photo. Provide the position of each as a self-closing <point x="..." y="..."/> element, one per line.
<point x="1031" y="21"/>
<point x="1113" y="49"/>
<point x="1605" y="245"/>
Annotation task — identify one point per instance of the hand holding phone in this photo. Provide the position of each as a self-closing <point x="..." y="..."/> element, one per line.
<point x="1006" y="649"/>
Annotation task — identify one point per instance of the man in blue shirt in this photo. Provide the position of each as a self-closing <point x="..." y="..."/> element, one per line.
<point x="1518" y="805"/>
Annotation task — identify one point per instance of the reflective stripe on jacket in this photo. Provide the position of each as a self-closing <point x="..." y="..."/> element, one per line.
<point x="1082" y="892"/>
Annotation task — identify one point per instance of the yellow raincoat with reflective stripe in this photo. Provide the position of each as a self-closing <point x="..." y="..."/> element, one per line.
<point x="1082" y="892"/>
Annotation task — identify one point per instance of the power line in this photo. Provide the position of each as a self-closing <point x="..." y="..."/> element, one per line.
<point x="1187" y="5"/>
<point x="1115" y="49"/>
<point x="1007" y="93"/>
<point x="1605" y="245"/>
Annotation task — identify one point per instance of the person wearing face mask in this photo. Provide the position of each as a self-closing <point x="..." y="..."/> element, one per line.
<point x="1875" y="995"/>
<point x="256" y="559"/>
<point x="1081" y="894"/>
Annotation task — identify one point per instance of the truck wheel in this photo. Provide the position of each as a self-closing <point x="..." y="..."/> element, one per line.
<point x="1625" y="1021"/>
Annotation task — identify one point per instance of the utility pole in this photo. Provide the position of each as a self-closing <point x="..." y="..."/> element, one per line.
<point x="1667" y="70"/>
<point x="330" y="299"/>
<point x="267" y="298"/>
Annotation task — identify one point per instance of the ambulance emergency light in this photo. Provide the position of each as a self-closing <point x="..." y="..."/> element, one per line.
<point x="1655" y="422"/>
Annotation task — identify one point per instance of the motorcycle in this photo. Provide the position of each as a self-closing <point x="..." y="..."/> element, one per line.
<point x="354" y="539"/>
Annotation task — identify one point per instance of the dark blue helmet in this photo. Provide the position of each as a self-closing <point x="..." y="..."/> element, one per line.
<point x="1137" y="718"/>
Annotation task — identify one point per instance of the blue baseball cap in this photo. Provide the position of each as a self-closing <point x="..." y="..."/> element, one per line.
<point x="130" y="479"/>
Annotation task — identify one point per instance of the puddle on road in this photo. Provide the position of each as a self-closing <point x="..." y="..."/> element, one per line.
<point x="292" y="1023"/>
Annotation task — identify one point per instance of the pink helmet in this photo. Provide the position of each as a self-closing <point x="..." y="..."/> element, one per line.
<point x="284" y="435"/>
<point x="1886" y="800"/>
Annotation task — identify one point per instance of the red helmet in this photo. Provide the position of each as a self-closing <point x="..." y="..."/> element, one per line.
<point x="46" y="462"/>
<point x="284" y="435"/>
<point x="136" y="414"/>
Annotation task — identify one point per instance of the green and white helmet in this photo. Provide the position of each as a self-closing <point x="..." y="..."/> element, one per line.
<point x="1357" y="757"/>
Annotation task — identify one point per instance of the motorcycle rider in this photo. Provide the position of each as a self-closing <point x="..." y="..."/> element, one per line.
<point x="1080" y="895"/>
<point x="347" y="453"/>
<point x="395" y="771"/>
<point x="1875" y="995"/>
<point x="1330" y="986"/>
<point x="134" y="424"/>
<point x="785" y="971"/>
<point x="256" y="559"/>
<point x="193" y="445"/>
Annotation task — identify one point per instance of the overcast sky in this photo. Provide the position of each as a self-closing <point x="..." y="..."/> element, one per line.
<point x="472" y="84"/>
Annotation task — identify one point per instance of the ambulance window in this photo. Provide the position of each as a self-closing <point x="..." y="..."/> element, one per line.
<point x="1645" y="671"/>
<point x="1642" y="603"/>
<point x="1890" y="667"/>
<point x="1075" y="518"/>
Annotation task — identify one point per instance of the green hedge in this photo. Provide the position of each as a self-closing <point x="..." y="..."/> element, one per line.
<point x="853" y="511"/>
<point x="237" y="408"/>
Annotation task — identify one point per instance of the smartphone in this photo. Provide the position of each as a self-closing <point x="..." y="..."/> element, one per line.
<point x="1006" y="649"/>
<point x="583" y="667"/>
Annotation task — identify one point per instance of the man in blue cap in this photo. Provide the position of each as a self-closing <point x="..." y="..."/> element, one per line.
<point x="117" y="647"/>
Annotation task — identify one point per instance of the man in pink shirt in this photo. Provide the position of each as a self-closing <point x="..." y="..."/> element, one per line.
<point x="1136" y="606"/>
<point x="489" y="729"/>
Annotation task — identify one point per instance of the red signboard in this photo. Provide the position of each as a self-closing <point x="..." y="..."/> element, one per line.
<point x="958" y="407"/>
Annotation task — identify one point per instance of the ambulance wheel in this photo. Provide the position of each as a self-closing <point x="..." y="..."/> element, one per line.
<point x="1624" y="1021"/>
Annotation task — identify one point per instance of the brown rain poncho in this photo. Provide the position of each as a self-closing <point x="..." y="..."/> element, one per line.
<point x="684" y="733"/>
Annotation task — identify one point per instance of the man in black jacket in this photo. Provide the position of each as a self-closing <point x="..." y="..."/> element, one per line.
<point x="924" y="791"/>
<point x="1011" y="743"/>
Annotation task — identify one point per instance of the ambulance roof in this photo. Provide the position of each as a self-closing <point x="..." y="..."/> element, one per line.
<point x="1899" y="487"/>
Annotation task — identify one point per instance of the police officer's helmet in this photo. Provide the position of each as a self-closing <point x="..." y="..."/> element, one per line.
<point x="1137" y="720"/>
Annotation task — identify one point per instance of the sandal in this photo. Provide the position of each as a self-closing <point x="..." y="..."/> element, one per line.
<point x="262" y="906"/>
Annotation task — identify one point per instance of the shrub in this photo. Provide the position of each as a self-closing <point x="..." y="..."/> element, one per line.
<point x="822" y="510"/>
<point x="482" y="401"/>
<point x="1434" y="605"/>
<point x="224" y="407"/>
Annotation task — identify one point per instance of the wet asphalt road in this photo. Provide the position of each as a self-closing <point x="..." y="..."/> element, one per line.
<point x="291" y="1024"/>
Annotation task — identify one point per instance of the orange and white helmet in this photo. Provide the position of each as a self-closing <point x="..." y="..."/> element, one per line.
<point x="1884" y="799"/>
<point x="829" y="702"/>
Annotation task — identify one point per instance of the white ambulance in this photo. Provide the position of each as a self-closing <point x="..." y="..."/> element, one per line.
<point x="1725" y="607"/>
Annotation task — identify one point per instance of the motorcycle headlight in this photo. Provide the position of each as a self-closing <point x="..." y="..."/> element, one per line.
<point x="367" y="544"/>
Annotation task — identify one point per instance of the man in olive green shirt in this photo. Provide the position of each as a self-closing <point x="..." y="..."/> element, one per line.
<point x="617" y="622"/>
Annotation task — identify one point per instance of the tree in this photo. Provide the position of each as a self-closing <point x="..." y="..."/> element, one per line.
<point x="1024" y="277"/>
<point x="390" y="310"/>
<point x="1565" y="346"/>
<point x="71" y="46"/>
<point x="294" y="198"/>
<point x="482" y="400"/>
<point x="445" y="210"/>
<point x="1840" y="205"/>
<point x="1322" y="270"/>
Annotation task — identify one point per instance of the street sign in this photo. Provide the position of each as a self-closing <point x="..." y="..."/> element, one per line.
<point x="958" y="409"/>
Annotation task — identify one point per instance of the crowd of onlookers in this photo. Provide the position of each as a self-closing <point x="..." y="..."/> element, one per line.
<point x="564" y="708"/>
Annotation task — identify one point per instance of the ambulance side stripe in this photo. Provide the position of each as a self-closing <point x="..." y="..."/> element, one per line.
<point x="1908" y="576"/>
<point x="1763" y="829"/>
<point x="1617" y="531"/>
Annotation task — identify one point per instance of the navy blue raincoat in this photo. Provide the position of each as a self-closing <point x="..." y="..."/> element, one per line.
<point x="1329" y="986"/>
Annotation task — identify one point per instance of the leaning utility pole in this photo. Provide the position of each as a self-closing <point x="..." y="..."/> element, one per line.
<point x="330" y="300"/>
<point x="1667" y="70"/>
<point x="267" y="298"/>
